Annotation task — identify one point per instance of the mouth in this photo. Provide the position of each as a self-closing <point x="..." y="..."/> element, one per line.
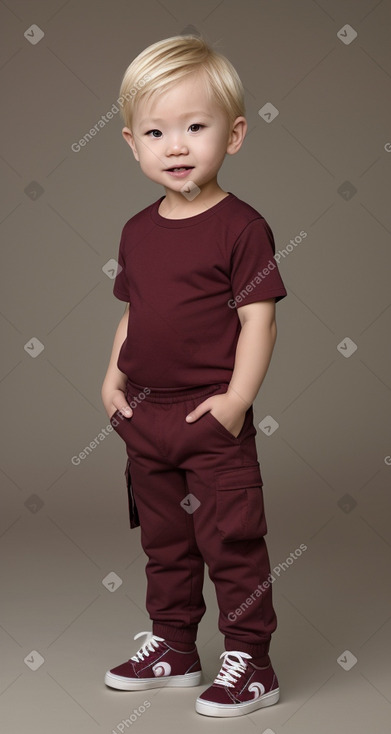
<point x="178" y="169"/>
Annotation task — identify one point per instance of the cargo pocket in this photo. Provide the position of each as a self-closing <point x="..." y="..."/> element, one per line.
<point x="133" y="512"/>
<point x="239" y="504"/>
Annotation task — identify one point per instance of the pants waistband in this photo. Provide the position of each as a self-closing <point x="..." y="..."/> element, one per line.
<point x="167" y="394"/>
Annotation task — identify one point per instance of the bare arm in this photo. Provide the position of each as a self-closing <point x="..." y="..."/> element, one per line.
<point x="253" y="351"/>
<point x="113" y="386"/>
<point x="253" y="354"/>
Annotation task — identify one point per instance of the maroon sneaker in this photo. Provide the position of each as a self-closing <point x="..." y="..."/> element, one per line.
<point x="155" y="665"/>
<point x="240" y="688"/>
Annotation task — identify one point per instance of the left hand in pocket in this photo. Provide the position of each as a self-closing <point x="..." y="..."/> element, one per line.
<point x="227" y="411"/>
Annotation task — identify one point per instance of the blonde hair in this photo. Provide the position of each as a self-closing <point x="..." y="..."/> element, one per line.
<point x="163" y="64"/>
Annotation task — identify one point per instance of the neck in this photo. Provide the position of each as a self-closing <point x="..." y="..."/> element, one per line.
<point x="176" y="205"/>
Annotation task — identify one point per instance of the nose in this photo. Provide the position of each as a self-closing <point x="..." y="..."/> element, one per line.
<point x="176" y="146"/>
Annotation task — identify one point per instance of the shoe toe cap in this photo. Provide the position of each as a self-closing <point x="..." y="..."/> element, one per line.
<point x="125" y="670"/>
<point x="216" y="694"/>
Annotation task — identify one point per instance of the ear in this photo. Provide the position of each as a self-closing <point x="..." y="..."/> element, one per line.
<point x="128" y="136"/>
<point x="237" y="135"/>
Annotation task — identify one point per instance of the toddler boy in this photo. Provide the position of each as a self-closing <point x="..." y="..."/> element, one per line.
<point x="190" y="353"/>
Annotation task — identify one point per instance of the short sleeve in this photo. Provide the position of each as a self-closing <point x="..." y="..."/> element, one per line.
<point x="121" y="287"/>
<point x="254" y="271"/>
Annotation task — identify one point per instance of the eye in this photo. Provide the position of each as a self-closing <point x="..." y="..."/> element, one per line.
<point x="196" y="125"/>
<point x="154" y="133"/>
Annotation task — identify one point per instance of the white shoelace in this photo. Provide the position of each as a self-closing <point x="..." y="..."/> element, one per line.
<point x="231" y="668"/>
<point x="150" y="645"/>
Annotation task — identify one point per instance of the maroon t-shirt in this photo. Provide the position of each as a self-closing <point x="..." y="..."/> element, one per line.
<point x="184" y="280"/>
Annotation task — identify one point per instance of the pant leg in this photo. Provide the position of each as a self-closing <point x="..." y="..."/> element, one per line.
<point x="230" y="526"/>
<point x="175" y="567"/>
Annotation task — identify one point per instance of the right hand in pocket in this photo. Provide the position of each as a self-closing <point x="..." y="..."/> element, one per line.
<point x="117" y="401"/>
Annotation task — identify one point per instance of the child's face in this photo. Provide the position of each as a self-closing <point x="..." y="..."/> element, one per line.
<point x="183" y="128"/>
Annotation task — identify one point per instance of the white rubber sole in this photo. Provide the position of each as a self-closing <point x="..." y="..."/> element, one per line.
<point x="239" y="709"/>
<point x="143" y="684"/>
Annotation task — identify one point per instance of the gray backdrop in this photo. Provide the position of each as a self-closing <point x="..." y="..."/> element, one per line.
<point x="316" y="160"/>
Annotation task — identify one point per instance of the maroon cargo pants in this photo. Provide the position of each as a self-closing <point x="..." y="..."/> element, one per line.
<point x="196" y="492"/>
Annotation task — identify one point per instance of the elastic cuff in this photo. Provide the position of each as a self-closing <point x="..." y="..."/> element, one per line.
<point x="181" y="634"/>
<point x="256" y="650"/>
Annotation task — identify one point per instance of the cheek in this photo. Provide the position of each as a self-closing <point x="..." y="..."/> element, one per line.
<point x="212" y="149"/>
<point x="206" y="150"/>
<point x="212" y="156"/>
<point x="150" y="164"/>
<point x="147" y="158"/>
